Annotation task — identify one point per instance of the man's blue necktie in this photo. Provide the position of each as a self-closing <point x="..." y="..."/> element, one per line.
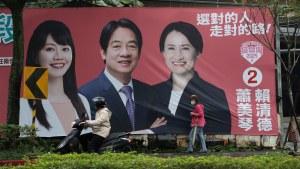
<point x="127" y="90"/>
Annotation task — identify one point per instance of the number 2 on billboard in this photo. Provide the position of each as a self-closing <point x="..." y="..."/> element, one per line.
<point x="252" y="76"/>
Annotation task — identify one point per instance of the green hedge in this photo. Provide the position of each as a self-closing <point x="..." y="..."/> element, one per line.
<point x="14" y="147"/>
<point x="142" y="161"/>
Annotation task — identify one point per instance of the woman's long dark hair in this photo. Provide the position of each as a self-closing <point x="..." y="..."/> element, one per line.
<point x="62" y="36"/>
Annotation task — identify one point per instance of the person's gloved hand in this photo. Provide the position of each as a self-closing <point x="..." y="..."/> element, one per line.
<point x="84" y="124"/>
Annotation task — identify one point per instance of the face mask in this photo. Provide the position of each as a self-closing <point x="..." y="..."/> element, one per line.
<point x="193" y="102"/>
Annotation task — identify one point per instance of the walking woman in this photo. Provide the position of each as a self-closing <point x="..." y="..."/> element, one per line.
<point x="198" y="122"/>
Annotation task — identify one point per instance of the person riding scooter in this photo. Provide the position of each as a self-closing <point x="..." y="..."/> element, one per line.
<point x="101" y="125"/>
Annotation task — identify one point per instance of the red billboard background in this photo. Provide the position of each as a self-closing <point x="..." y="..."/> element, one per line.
<point x="6" y="51"/>
<point x="221" y="62"/>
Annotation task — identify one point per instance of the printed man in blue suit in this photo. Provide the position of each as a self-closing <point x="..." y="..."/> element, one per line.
<point x="121" y="43"/>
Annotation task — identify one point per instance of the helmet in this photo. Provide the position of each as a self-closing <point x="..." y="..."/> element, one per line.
<point x="195" y="97"/>
<point x="99" y="102"/>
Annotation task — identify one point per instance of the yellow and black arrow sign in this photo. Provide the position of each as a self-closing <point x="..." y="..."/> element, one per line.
<point x="35" y="83"/>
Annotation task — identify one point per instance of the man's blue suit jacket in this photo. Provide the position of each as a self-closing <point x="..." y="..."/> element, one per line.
<point x="120" y="122"/>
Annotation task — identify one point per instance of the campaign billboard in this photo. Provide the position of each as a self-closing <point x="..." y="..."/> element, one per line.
<point x="174" y="53"/>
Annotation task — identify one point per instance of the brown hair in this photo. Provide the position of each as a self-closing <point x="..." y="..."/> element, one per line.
<point x="195" y="97"/>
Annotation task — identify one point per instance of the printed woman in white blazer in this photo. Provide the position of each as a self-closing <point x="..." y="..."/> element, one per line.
<point x="51" y="46"/>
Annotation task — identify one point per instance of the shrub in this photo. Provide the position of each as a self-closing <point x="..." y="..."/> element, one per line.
<point x="10" y="136"/>
<point x="135" y="160"/>
<point x="15" y="147"/>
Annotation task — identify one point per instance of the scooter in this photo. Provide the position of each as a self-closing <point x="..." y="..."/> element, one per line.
<point x="116" y="142"/>
<point x="71" y="142"/>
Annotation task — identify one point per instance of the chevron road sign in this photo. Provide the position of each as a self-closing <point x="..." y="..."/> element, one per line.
<point x="35" y="83"/>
